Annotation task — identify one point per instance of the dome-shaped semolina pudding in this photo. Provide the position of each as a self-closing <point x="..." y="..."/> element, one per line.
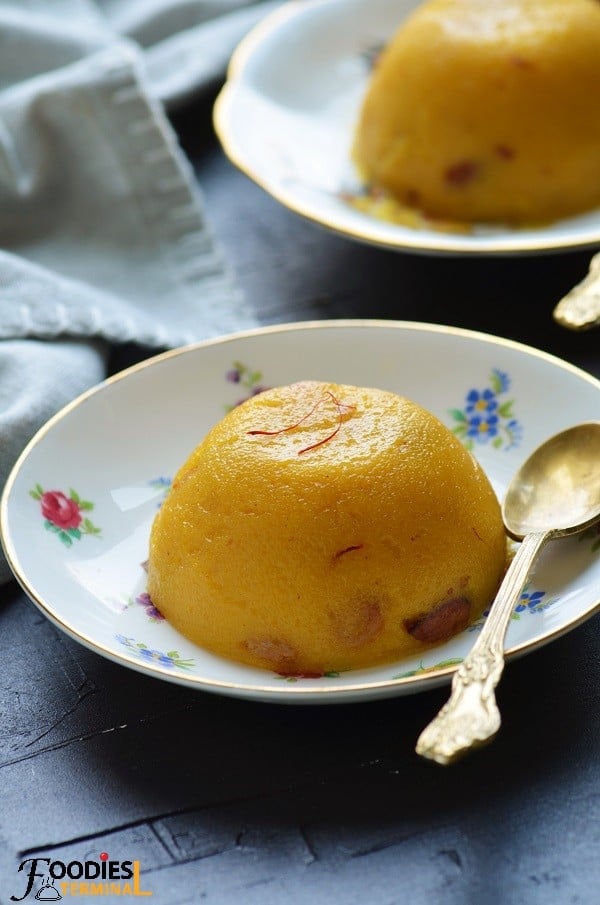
<point x="322" y="527"/>
<point x="487" y="111"/>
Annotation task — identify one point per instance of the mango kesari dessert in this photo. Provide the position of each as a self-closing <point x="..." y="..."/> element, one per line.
<point x="487" y="111"/>
<point x="321" y="527"/>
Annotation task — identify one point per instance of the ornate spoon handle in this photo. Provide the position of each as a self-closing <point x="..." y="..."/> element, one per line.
<point x="471" y="717"/>
<point x="580" y="308"/>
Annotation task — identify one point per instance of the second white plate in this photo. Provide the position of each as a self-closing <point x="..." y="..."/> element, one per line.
<point x="287" y="114"/>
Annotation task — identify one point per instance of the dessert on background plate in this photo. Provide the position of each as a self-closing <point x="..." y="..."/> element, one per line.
<point x="322" y="527"/>
<point x="482" y="111"/>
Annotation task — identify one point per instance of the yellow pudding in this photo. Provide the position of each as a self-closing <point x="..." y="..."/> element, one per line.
<point x="486" y="111"/>
<point x="323" y="527"/>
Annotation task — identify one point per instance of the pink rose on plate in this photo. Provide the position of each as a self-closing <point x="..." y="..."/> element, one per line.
<point x="65" y="515"/>
<point x="60" y="509"/>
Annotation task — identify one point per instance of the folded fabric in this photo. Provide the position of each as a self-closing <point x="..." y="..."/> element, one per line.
<point x="103" y="233"/>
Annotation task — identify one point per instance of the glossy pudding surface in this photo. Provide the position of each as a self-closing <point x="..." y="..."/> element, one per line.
<point x="321" y="527"/>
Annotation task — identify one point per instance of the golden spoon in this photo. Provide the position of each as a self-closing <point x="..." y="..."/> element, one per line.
<point x="580" y="308"/>
<point x="555" y="492"/>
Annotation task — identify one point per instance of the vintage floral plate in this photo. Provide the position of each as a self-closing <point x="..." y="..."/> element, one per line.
<point x="77" y="509"/>
<point x="287" y="113"/>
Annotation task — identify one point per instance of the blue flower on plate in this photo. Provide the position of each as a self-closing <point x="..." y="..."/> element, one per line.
<point x="163" y="484"/>
<point x="484" y="401"/>
<point x="483" y="427"/>
<point x="157" y="656"/>
<point x="171" y="658"/>
<point x="530" y="600"/>
<point x="485" y="418"/>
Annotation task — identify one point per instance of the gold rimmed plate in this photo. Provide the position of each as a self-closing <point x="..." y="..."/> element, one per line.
<point x="77" y="508"/>
<point x="286" y="118"/>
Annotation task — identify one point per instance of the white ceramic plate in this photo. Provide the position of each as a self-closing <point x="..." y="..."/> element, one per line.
<point x="77" y="509"/>
<point x="287" y="113"/>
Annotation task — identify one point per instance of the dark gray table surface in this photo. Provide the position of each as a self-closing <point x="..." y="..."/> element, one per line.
<point x="225" y="801"/>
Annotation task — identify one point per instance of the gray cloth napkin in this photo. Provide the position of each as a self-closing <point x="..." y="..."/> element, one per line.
<point x="103" y="235"/>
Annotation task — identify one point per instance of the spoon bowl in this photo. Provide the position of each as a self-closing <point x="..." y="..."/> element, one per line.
<point x="558" y="487"/>
<point x="556" y="492"/>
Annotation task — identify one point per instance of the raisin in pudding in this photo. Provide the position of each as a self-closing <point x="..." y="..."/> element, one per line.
<point x="322" y="527"/>
<point x="486" y="111"/>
